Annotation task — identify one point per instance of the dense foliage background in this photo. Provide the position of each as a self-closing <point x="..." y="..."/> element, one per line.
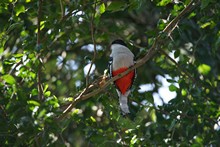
<point x="46" y="49"/>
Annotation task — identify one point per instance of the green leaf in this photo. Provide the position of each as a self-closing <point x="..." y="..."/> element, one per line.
<point x="161" y="24"/>
<point x="134" y="140"/>
<point x="183" y="92"/>
<point x="204" y="69"/>
<point x="117" y="6"/>
<point x="135" y="4"/>
<point x="47" y="94"/>
<point x="163" y="2"/>
<point x="42" y="113"/>
<point x="52" y="101"/>
<point x="18" y="55"/>
<point x="153" y="115"/>
<point x="45" y="88"/>
<point x="34" y="92"/>
<point x="99" y="12"/>
<point x="205" y="3"/>
<point x="199" y="140"/>
<point x="176" y="53"/>
<point x="76" y="111"/>
<point x="210" y="24"/>
<point x="102" y="8"/>
<point x="93" y="119"/>
<point x="172" y="87"/>
<point x="9" y="79"/>
<point x="3" y="1"/>
<point x="33" y="102"/>
<point x="19" y="9"/>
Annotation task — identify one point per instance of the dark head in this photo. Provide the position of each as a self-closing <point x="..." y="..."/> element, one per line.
<point x="119" y="41"/>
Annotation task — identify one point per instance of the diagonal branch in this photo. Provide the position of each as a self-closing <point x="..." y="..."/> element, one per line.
<point x="151" y="52"/>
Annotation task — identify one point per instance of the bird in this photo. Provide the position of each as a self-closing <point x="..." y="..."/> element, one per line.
<point x="121" y="58"/>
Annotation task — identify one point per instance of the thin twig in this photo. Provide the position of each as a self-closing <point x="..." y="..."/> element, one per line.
<point x="172" y="25"/>
<point x="178" y="66"/>
<point x="3" y="111"/>
<point x="16" y="65"/>
<point x="39" y="20"/>
<point x="94" y="44"/>
<point x="40" y="88"/>
<point x="154" y="48"/>
<point x="62" y="11"/>
<point x="70" y="107"/>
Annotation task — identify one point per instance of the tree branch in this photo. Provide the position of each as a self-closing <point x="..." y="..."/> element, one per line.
<point x="151" y="52"/>
<point x="94" y="44"/>
<point x="61" y="8"/>
<point x="39" y="20"/>
<point x="39" y="85"/>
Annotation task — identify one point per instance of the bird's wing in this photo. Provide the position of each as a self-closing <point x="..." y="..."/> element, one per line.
<point x="110" y="66"/>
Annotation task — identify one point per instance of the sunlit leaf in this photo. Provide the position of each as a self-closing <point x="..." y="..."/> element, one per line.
<point x="76" y="111"/>
<point x="19" y="9"/>
<point x="47" y="93"/>
<point x="19" y="55"/>
<point x="93" y="119"/>
<point x="102" y="8"/>
<point x="9" y="79"/>
<point x="33" y="102"/>
<point x="163" y="2"/>
<point x="210" y="24"/>
<point x="204" y="69"/>
<point x="34" y="92"/>
<point x="153" y="115"/>
<point x="134" y="140"/>
<point x="42" y="113"/>
<point x="183" y="92"/>
<point x="46" y="87"/>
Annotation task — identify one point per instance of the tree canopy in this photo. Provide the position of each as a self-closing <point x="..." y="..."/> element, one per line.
<point x="55" y="89"/>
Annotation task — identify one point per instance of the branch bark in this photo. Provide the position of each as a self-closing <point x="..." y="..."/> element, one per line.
<point x="94" y="46"/>
<point x="151" y="52"/>
<point x="39" y="85"/>
<point x="62" y="10"/>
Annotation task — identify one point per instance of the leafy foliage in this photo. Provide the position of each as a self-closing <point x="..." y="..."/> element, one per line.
<point x="46" y="45"/>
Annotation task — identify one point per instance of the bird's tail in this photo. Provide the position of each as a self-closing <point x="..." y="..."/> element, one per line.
<point x="123" y="100"/>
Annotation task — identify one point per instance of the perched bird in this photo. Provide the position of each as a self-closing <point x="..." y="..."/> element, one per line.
<point x="121" y="59"/>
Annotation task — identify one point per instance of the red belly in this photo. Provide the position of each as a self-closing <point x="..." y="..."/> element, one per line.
<point x="125" y="82"/>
